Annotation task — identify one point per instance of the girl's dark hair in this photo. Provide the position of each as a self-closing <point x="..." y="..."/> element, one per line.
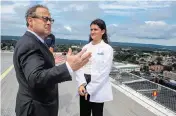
<point x="101" y="24"/>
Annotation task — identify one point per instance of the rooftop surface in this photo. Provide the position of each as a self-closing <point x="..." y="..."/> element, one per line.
<point x="123" y="104"/>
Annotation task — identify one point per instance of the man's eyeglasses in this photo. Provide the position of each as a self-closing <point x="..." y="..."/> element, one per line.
<point x="44" y="18"/>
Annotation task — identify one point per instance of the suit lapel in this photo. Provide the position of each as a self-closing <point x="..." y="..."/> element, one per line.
<point x="37" y="41"/>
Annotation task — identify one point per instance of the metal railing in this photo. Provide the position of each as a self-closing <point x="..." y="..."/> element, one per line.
<point x="159" y="93"/>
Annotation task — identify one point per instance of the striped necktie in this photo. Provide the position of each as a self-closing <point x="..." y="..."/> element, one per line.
<point x="45" y="44"/>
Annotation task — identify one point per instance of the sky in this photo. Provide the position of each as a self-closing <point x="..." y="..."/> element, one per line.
<point x="132" y="21"/>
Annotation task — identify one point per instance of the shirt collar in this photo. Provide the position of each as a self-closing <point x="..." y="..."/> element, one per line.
<point x="102" y="41"/>
<point x="36" y="36"/>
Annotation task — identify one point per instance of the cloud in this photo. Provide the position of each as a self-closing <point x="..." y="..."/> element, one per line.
<point x="127" y="21"/>
<point x="149" y="30"/>
<point x="68" y="28"/>
<point x="155" y="23"/>
<point x="12" y="17"/>
<point x="7" y="9"/>
<point x="131" y="5"/>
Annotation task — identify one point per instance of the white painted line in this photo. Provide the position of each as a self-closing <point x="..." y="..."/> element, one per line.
<point x="4" y="74"/>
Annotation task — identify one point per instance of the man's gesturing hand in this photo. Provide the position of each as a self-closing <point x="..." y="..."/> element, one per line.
<point x="78" y="60"/>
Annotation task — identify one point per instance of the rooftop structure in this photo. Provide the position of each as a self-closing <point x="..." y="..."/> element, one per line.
<point x="121" y="67"/>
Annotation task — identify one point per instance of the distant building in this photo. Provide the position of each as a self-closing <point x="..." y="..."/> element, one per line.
<point x="167" y="60"/>
<point x="121" y="67"/>
<point x="147" y="54"/>
<point x="156" y="68"/>
<point x="169" y="75"/>
<point x="142" y="60"/>
<point x="75" y="46"/>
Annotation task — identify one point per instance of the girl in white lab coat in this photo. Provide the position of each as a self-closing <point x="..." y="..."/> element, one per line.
<point x="93" y="79"/>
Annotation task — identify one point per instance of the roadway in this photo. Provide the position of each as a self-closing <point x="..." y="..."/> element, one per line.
<point x="122" y="105"/>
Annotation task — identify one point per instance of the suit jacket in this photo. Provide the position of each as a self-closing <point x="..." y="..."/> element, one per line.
<point x="37" y="76"/>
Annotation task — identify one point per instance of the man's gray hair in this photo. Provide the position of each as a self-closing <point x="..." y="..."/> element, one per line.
<point x="31" y="12"/>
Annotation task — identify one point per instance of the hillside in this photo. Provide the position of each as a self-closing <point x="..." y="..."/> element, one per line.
<point x="120" y="44"/>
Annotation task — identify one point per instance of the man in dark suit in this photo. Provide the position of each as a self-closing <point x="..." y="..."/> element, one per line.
<point x="35" y="68"/>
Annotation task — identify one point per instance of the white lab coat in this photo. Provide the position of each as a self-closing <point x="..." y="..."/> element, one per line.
<point x="101" y="62"/>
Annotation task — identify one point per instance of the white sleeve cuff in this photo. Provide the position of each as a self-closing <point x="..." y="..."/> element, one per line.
<point x="80" y="77"/>
<point x="69" y="68"/>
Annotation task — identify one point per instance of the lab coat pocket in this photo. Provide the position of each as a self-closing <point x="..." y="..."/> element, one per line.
<point x="100" y="61"/>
